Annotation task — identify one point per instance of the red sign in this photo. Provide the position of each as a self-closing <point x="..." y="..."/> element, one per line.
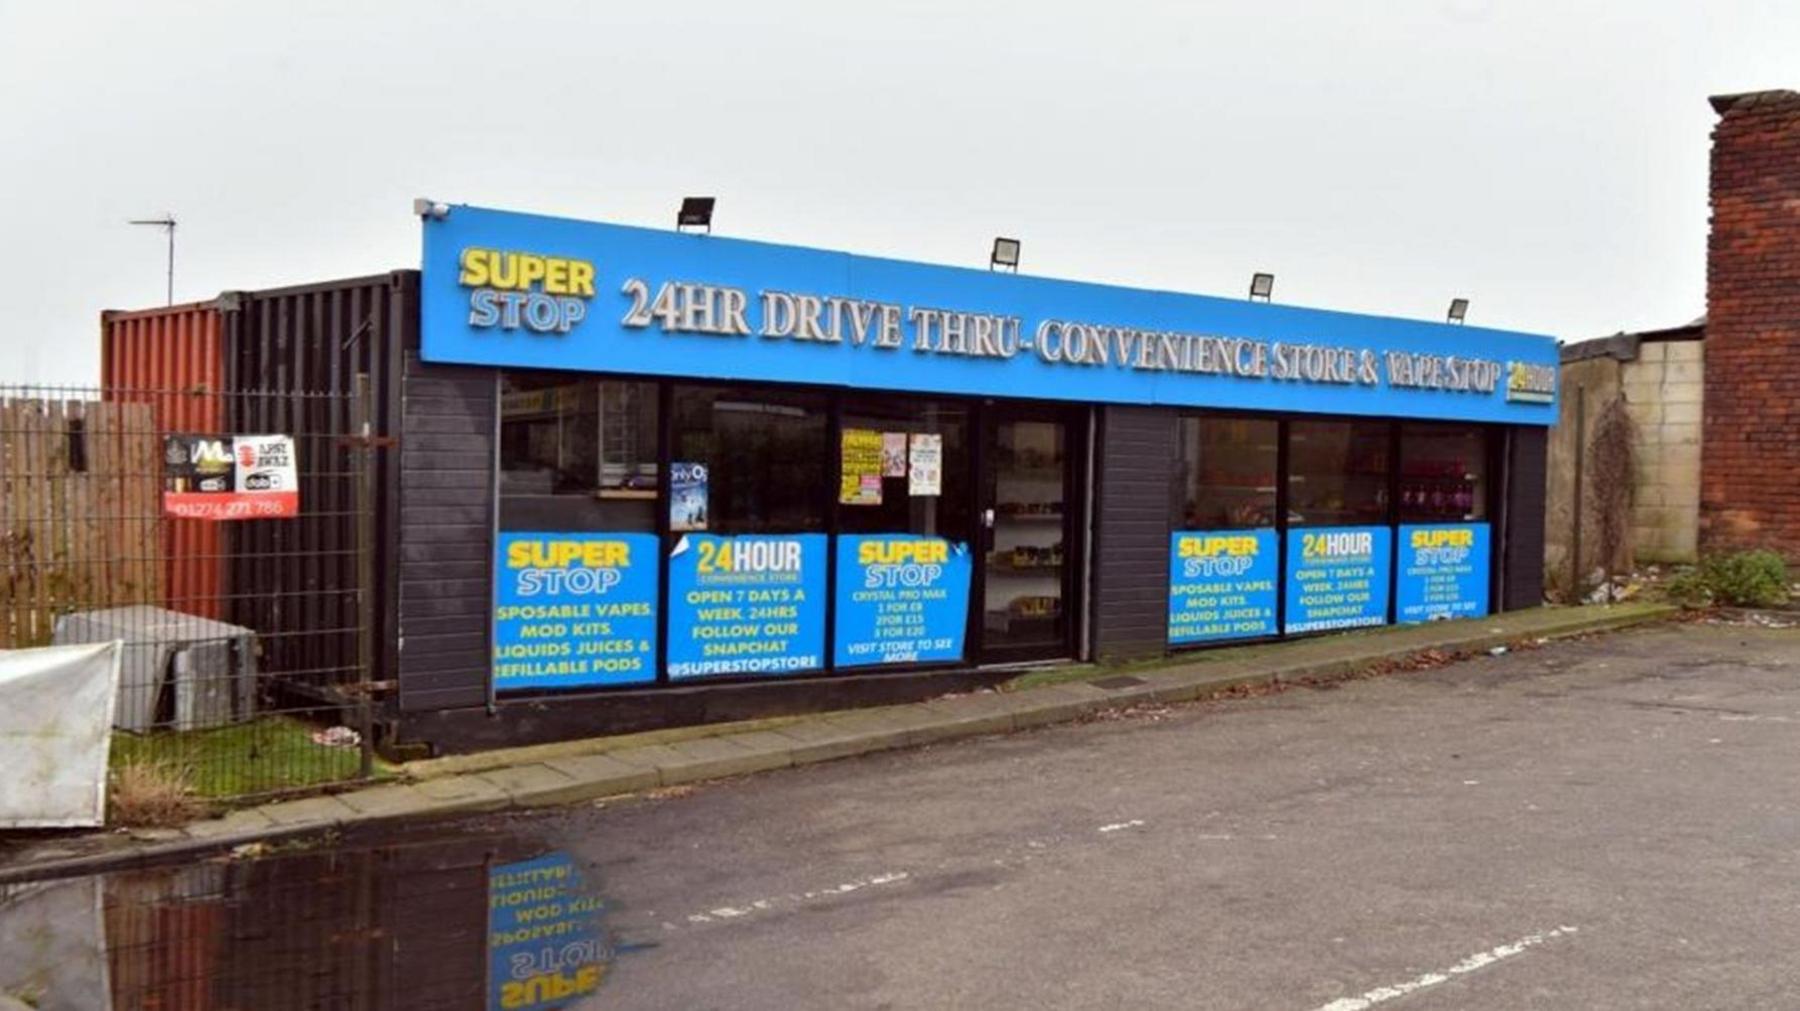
<point x="241" y="477"/>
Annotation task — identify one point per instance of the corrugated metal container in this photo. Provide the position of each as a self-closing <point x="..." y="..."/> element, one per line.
<point x="311" y="361"/>
<point x="308" y="361"/>
<point x="171" y="359"/>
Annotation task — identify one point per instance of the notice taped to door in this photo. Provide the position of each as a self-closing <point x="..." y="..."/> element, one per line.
<point x="925" y="466"/>
<point x="230" y="477"/>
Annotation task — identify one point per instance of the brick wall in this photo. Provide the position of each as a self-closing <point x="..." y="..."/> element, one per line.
<point x="1750" y="454"/>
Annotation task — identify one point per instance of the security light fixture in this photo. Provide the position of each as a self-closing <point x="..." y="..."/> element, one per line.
<point x="1459" y="307"/>
<point x="1261" y="287"/>
<point x="432" y="209"/>
<point x="1005" y="255"/>
<point x="696" y="212"/>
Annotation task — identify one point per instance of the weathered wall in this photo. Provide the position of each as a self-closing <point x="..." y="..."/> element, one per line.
<point x="1582" y="389"/>
<point x="1660" y="379"/>
<point x="1750" y="454"/>
<point x="1664" y="390"/>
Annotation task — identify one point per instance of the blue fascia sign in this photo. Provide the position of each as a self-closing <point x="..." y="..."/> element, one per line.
<point x="525" y="291"/>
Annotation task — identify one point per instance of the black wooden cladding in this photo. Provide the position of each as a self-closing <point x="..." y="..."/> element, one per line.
<point x="1131" y="532"/>
<point x="447" y="486"/>
<point x="1526" y="476"/>
<point x="296" y="362"/>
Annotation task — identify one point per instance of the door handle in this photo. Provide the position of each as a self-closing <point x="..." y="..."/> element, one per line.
<point x="987" y="518"/>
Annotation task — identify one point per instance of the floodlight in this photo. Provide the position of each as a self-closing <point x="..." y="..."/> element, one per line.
<point x="1005" y="255"/>
<point x="696" y="212"/>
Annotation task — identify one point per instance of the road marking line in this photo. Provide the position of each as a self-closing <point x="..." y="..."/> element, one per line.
<point x="764" y="905"/>
<point x="1117" y="825"/>
<point x="1479" y="960"/>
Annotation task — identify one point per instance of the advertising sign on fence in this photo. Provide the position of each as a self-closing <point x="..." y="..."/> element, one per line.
<point x="240" y="477"/>
<point x="546" y="944"/>
<point x="574" y="609"/>
<point x="1337" y="577"/>
<point x="901" y="598"/>
<point x="752" y="604"/>
<point x="1222" y="584"/>
<point x="1443" y="571"/>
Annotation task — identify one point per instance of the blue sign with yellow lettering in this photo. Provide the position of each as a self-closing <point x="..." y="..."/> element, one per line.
<point x="1222" y="584"/>
<point x="1443" y="571"/>
<point x="574" y="609"/>
<point x="526" y="291"/>
<point x="901" y="598"/>
<point x="1337" y="577"/>
<point x="546" y="944"/>
<point x="749" y="604"/>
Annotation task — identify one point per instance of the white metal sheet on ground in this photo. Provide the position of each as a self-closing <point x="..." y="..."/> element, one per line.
<point x="56" y="715"/>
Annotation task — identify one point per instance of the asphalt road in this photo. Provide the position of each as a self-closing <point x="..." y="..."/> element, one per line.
<point x="1607" y="823"/>
<point x="1610" y="823"/>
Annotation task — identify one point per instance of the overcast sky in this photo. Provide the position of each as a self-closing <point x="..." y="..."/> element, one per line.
<point x="1545" y="159"/>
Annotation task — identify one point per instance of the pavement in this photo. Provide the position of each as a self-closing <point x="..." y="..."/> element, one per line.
<point x="583" y="771"/>
<point x="1607" y="821"/>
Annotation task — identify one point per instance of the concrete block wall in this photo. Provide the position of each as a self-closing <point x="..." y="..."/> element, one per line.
<point x="1750" y="453"/>
<point x="1664" y="391"/>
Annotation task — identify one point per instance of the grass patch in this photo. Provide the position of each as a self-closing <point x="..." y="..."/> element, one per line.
<point x="151" y="795"/>
<point x="262" y="756"/>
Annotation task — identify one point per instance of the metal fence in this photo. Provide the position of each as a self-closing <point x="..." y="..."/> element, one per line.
<point x="248" y="633"/>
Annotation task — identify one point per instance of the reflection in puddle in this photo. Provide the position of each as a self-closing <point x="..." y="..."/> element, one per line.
<point x="545" y="946"/>
<point x="476" y="922"/>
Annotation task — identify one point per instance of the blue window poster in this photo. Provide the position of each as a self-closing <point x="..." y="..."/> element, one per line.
<point x="1337" y="577"/>
<point x="546" y="944"/>
<point x="901" y="598"/>
<point x="1222" y="584"/>
<point x="574" y="609"/>
<point x="687" y="496"/>
<point x="1443" y="571"/>
<point x="750" y="604"/>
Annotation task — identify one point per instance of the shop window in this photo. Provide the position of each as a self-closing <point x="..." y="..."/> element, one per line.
<point x="904" y="512"/>
<point x="894" y="498"/>
<point x="748" y="460"/>
<point x="1339" y="542"/>
<point x="1228" y="473"/>
<point x="1223" y="552"/>
<point x="1337" y="473"/>
<point x="747" y="556"/>
<point x="1443" y="473"/>
<point x="1028" y="563"/>
<point x="1445" y="552"/>
<point x="577" y="454"/>
<point x="578" y="488"/>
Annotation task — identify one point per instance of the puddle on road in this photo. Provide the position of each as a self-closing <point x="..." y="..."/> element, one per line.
<point x="477" y="921"/>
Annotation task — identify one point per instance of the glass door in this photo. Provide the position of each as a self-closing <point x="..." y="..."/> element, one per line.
<point x="1029" y="556"/>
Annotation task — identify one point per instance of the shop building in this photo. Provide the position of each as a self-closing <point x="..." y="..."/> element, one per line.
<point x="642" y="478"/>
